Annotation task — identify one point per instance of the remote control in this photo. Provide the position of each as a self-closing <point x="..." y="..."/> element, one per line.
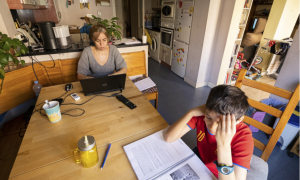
<point x="126" y="101"/>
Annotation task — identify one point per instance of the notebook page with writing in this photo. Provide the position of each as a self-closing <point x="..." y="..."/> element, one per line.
<point x="152" y="157"/>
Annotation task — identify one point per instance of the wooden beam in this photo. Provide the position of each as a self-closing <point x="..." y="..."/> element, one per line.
<point x="267" y="88"/>
<point x="259" y="125"/>
<point x="263" y="107"/>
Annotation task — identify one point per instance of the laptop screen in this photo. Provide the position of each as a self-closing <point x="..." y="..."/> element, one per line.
<point x="103" y="84"/>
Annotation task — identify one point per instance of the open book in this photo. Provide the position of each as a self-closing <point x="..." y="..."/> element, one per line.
<point x="154" y="158"/>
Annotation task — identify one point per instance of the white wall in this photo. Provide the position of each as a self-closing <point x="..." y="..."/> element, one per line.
<point x="196" y="45"/>
<point x="288" y="77"/>
<point x="7" y="25"/>
<point x="72" y="14"/>
<point x="228" y="24"/>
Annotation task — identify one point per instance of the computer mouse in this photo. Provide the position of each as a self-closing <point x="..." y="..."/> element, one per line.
<point x="69" y="87"/>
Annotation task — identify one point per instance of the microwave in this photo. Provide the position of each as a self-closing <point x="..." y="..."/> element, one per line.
<point x="168" y="9"/>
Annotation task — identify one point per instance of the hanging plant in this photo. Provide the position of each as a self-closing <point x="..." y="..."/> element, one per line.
<point x="10" y="50"/>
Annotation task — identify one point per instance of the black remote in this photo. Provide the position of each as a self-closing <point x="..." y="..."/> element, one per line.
<point x="126" y="101"/>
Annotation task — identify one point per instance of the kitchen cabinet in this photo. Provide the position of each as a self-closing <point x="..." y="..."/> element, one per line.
<point x="156" y="3"/>
<point x="165" y="55"/>
<point x="27" y="4"/>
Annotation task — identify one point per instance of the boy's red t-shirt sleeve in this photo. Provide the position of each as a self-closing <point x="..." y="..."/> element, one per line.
<point x="242" y="147"/>
<point x="192" y="124"/>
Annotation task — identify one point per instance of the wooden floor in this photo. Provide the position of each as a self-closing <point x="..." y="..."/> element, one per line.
<point x="10" y="142"/>
<point x="258" y="94"/>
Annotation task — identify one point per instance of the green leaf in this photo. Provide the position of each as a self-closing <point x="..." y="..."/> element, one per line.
<point x="17" y="41"/>
<point x="117" y="26"/>
<point x="105" y="21"/>
<point x="94" y="17"/>
<point x="89" y="24"/>
<point x="1" y="51"/>
<point x="9" y="57"/>
<point x="6" y="46"/>
<point x="23" y="62"/>
<point x="0" y="33"/>
<point x="3" y="59"/>
<point x="23" y="47"/>
<point x="114" y="18"/>
<point x="2" y="74"/>
<point x="16" y="61"/>
<point x="1" y="44"/>
<point x="4" y="35"/>
<point x="18" y="54"/>
<point x="22" y="51"/>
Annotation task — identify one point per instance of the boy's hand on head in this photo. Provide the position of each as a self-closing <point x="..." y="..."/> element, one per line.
<point x="226" y="130"/>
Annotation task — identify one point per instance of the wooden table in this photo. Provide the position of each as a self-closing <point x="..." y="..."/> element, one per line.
<point x="46" y="149"/>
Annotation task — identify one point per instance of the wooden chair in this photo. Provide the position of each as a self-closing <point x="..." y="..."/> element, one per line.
<point x="136" y="65"/>
<point x="284" y="116"/>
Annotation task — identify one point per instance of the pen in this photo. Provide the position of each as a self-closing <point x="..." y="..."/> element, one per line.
<point x="107" y="151"/>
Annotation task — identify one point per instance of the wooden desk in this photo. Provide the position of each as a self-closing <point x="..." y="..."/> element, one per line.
<point x="48" y="144"/>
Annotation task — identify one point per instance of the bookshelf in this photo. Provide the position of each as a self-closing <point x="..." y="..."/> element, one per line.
<point x="229" y="78"/>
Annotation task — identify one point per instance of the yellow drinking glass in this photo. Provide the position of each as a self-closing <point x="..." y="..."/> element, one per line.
<point x="86" y="153"/>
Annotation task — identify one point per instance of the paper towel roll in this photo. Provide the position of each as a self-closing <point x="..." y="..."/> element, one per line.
<point x="104" y="3"/>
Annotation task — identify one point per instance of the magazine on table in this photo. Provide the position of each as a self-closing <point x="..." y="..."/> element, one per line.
<point x="154" y="158"/>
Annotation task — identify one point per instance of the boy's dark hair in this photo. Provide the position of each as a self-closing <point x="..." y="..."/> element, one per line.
<point x="224" y="99"/>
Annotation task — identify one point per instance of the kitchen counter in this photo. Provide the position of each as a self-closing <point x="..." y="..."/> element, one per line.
<point x="70" y="50"/>
<point x="64" y="54"/>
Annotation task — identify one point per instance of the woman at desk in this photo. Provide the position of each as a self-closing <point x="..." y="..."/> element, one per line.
<point x="101" y="59"/>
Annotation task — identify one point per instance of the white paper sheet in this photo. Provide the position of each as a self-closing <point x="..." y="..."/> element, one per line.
<point x="145" y="84"/>
<point x="152" y="155"/>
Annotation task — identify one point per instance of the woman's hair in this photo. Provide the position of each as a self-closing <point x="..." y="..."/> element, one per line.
<point x="97" y="29"/>
<point x="224" y="99"/>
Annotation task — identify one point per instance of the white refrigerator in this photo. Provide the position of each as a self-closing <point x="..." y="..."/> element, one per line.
<point x="182" y="31"/>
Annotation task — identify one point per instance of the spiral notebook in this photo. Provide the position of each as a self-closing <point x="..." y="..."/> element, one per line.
<point x="154" y="158"/>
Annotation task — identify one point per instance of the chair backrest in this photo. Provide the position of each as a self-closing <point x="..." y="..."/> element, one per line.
<point x="284" y="116"/>
<point x="136" y="63"/>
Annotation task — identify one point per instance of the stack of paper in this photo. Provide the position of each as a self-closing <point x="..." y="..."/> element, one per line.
<point x="145" y="84"/>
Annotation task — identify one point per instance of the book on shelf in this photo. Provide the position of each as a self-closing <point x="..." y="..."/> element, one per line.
<point x="232" y="61"/>
<point x="244" y="17"/>
<point x="247" y="4"/>
<point x="235" y="49"/>
<point x="239" y="33"/>
<point x="154" y="158"/>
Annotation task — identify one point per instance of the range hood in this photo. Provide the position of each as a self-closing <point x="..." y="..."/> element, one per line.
<point x="27" y="4"/>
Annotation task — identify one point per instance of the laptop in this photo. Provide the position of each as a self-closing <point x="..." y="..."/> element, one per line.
<point x="103" y="84"/>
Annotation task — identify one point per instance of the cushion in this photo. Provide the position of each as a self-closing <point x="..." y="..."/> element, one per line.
<point x="258" y="169"/>
<point x="149" y="90"/>
<point x="251" y="38"/>
<point x="260" y="25"/>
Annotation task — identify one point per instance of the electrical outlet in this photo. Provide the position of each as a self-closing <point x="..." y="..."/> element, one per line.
<point x="89" y="15"/>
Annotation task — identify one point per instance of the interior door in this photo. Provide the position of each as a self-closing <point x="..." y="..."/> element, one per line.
<point x="134" y="5"/>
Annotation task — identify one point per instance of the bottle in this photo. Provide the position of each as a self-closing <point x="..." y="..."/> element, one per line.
<point x="37" y="88"/>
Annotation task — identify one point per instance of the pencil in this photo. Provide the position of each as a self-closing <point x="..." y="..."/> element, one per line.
<point x="107" y="151"/>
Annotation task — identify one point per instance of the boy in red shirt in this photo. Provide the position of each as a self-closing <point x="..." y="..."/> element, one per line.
<point x="224" y="142"/>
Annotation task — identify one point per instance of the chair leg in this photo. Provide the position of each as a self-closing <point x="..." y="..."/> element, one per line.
<point x="156" y="101"/>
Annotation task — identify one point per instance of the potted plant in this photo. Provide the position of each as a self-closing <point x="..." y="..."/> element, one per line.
<point x="111" y="26"/>
<point x="10" y="49"/>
